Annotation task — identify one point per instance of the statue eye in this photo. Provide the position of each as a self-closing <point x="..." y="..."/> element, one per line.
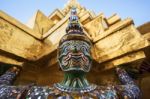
<point x="65" y="49"/>
<point x="83" y="49"/>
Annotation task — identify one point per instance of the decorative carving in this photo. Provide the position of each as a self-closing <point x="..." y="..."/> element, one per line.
<point x="119" y="43"/>
<point x="96" y="26"/>
<point x="73" y="54"/>
<point x="16" y="41"/>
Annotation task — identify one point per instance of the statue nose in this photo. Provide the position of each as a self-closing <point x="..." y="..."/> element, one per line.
<point x="75" y="50"/>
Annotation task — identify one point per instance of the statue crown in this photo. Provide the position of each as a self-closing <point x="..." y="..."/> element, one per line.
<point x="74" y="25"/>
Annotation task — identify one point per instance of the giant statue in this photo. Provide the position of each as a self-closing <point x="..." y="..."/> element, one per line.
<point x="75" y="60"/>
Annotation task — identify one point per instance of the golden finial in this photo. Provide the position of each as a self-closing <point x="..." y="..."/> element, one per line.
<point x="70" y="4"/>
<point x="73" y="3"/>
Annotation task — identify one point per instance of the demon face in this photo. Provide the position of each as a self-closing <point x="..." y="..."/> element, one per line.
<point x="75" y="55"/>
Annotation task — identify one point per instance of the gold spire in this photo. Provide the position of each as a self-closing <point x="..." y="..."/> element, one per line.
<point x="73" y="3"/>
<point x="70" y="4"/>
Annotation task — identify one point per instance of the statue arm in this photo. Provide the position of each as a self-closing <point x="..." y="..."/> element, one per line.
<point x="12" y="92"/>
<point x="8" y="77"/>
<point x="129" y="90"/>
<point x="124" y="78"/>
<point x="19" y="92"/>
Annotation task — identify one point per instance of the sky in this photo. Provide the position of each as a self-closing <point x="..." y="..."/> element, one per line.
<point x="23" y="10"/>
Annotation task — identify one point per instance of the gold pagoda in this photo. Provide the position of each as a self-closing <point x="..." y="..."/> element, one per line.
<point x="33" y="47"/>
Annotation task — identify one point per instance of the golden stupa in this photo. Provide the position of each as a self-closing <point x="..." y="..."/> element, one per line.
<point x="33" y="47"/>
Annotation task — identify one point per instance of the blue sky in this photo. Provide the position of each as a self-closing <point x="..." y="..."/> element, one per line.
<point x="22" y="10"/>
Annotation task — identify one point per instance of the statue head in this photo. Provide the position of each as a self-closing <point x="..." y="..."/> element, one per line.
<point x="74" y="51"/>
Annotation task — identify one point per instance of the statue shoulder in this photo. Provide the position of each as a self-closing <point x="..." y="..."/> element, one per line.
<point x="39" y="92"/>
<point x="106" y="92"/>
<point x="42" y="92"/>
<point x="11" y="92"/>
